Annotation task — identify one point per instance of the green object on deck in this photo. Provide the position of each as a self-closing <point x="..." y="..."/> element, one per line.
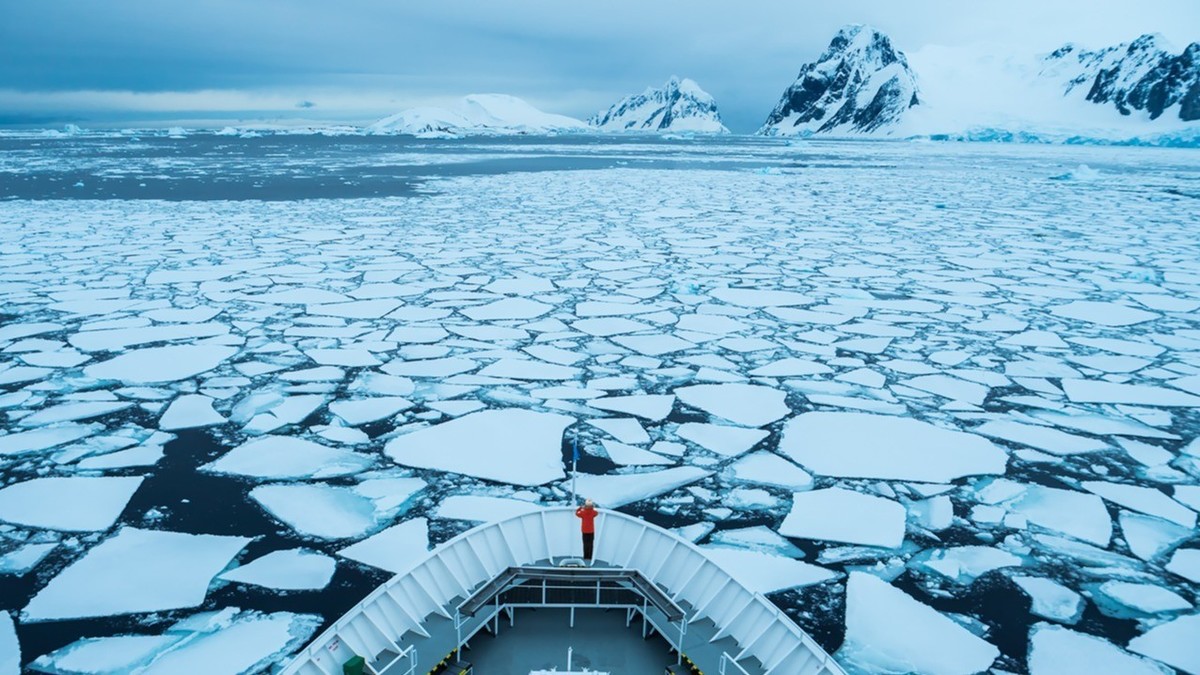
<point x="355" y="666"/>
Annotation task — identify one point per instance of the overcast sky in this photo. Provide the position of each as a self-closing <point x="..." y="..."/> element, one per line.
<point x="123" y="61"/>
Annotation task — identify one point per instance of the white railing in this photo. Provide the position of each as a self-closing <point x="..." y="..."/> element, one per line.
<point x="395" y="612"/>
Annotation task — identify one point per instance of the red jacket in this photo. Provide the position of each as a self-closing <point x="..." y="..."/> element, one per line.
<point x="588" y="518"/>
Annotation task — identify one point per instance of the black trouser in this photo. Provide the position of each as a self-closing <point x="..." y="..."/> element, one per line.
<point x="588" y="538"/>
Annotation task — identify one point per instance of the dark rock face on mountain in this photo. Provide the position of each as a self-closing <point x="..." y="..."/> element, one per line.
<point x="680" y="105"/>
<point x="1139" y="75"/>
<point x="859" y="84"/>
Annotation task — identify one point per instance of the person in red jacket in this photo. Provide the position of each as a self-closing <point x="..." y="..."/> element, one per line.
<point x="587" y="517"/>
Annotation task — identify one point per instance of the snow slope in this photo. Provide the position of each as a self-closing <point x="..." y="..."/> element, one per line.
<point x="859" y="84"/>
<point x="679" y="105"/>
<point x="477" y="114"/>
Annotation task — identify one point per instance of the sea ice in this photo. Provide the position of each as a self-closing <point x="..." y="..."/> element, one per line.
<point x="963" y="564"/>
<point x="627" y="455"/>
<point x="482" y="508"/>
<point x="837" y="514"/>
<point x="754" y="297"/>
<point x="10" y="647"/>
<point x="653" y="407"/>
<point x="1101" y="391"/>
<point x="366" y="410"/>
<point x="161" y="364"/>
<point x="745" y="404"/>
<point x="394" y="549"/>
<point x="764" y="572"/>
<point x="242" y="645"/>
<point x="860" y="445"/>
<point x="1148" y="537"/>
<point x="653" y="345"/>
<point x="1076" y="514"/>
<point x="516" y="446"/>
<point x="73" y="503"/>
<point x="188" y="412"/>
<point x="624" y="429"/>
<point x="1054" y="650"/>
<point x="1173" y="643"/>
<point x="290" y="570"/>
<point x="108" y="655"/>
<point x="757" y="538"/>
<point x="1147" y="500"/>
<point x="1051" y="600"/>
<point x="508" y="308"/>
<point x="1048" y="439"/>
<point x="21" y="560"/>
<point x="276" y="457"/>
<point x="767" y="468"/>
<point x="43" y="439"/>
<point x="1103" y="313"/>
<point x="887" y="631"/>
<point x="1186" y="563"/>
<point x="323" y="511"/>
<point x="617" y="490"/>
<point x="136" y="571"/>
<point x="723" y="440"/>
<point x="950" y="387"/>
<point x="345" y="357"/>
<point x="1141" y="598"/>
<point x="71" y="412"/>
<point x="525" y="369"/>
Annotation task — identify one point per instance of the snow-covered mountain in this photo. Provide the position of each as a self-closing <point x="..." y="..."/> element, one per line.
<point x="1141" y="75"/>
<point x="477" y="114"/>
<point x="859" y="84"/>
<point x="1138" y="91"/>
<point x="680" y="105"/>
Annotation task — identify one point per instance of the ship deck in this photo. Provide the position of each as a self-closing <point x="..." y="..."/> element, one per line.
<point x="537" y="638"/>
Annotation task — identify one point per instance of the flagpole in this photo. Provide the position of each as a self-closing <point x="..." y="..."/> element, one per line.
<point x="574" y="468"/>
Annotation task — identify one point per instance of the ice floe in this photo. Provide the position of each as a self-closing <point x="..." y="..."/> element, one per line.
<point x="764" y="572"/>
<point x="1150" y="501"/>
<point x="516" y="446"/>
<point x="333" y="511"/>
<point x="1051" y="600"/>
<point x="723" y="440"/>
<point x="394" y="549"/>
<point x="614" y="491"/>
<point x="280" y="457"/>
<point x="136" y="571"/>
<point x="291" y="570"/>
<point x="1054" y="650"/>
<point x="161" y="364"/>
<point x="837" y="514"/>
<point x="1173" y="643"/>
<point x="859" y="445"/>
<point x="70" y="503"/>
<point x="887" y="631"/>
<point x="188" y="412"/>
<point x="745" y="404"/>
<point x="482" y="508"/>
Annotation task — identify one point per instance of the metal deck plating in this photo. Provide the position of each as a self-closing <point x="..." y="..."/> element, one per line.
<point x="415" y="620"/>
